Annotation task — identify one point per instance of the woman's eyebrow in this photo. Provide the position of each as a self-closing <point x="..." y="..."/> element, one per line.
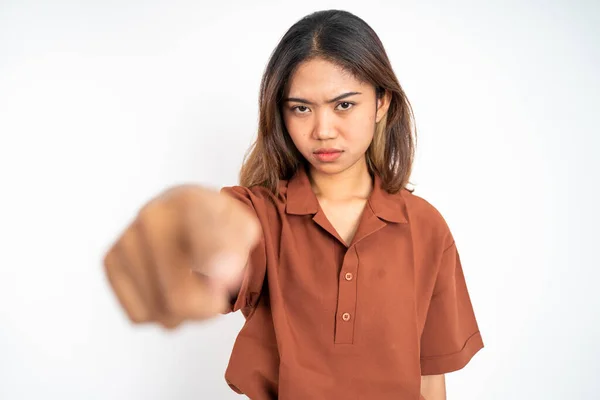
<point x="340" y="97"/>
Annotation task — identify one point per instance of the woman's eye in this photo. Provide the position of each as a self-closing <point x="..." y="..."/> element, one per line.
<point x="300" y="109"/>
<point x="345" y="105"/>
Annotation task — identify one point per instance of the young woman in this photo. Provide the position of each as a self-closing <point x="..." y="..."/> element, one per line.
<point x="351" y="285"/>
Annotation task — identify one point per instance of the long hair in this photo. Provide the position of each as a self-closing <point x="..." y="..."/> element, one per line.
<point x="349" y="42"/>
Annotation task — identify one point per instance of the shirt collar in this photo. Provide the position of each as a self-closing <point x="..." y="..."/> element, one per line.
<point x="301" y="199"/>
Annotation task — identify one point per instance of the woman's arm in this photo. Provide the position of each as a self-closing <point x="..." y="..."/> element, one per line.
<point x="433" y="387"/>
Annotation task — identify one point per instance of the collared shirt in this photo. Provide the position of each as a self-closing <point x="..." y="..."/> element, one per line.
<point x="326" y="320"/>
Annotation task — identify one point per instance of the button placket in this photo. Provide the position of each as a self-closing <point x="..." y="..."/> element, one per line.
<point x="345" y="317"/>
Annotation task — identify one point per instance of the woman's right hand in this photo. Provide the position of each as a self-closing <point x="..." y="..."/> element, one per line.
<point x="182" y="256"/>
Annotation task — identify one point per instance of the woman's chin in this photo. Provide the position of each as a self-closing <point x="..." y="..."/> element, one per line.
<point x="326" y="168"/>
<point x="329" y="168"/>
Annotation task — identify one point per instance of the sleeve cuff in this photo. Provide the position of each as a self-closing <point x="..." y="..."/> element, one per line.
<point x="436" y="365"/>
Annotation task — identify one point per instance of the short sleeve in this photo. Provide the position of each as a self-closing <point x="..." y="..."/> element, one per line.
<point x="450" y="335"/>
<point x="254" y="273"/>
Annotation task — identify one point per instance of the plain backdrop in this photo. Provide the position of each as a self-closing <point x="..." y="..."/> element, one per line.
<point x="103" y="104"/>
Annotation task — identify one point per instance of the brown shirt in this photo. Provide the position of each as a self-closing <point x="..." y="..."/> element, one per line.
<point x="363" y="321"/>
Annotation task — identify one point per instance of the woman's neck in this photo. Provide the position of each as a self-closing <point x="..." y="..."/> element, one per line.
<point x="350" y="184"/>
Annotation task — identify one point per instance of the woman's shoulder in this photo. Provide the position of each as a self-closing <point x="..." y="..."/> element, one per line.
<point x="260" y="192"/>
<point x="257" y="196"/>
<point x="422" y="214"/>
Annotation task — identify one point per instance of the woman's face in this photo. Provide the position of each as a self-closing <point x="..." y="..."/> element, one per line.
<point x="330" y="115"/>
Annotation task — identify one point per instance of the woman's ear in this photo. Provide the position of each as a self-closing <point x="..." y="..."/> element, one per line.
<point x="383" y="104"/>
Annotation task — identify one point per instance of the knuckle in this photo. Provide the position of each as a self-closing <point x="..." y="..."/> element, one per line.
<point x="181" y="197"/>
<point x="150" y="211"/>
<point x="109" y="261"/>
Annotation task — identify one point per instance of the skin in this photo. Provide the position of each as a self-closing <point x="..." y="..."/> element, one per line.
<point x="327" y="107"/>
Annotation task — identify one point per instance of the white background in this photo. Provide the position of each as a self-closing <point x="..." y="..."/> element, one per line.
<point x="105" y="103"/>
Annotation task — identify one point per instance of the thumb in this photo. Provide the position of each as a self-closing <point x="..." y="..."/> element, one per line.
<point x="226" y="267"/>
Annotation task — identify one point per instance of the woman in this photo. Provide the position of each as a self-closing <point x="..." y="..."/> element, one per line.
<point x="351" y="285"/>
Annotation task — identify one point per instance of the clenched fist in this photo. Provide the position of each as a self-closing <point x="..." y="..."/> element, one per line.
<point x="182" y="256"/>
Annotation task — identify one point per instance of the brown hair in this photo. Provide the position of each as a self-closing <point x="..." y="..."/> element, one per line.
<point x="348" y="41"/>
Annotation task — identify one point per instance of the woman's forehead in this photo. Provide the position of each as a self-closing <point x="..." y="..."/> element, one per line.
<point x="322" y="78"/>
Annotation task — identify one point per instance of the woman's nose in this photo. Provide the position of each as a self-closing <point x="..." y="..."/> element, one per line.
<point x="324" y="126"/>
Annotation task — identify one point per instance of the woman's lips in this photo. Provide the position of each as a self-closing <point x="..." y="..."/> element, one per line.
<point x="327" y="155"/>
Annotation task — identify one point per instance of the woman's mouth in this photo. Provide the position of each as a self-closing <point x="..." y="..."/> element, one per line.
<point x="327" y="155"/>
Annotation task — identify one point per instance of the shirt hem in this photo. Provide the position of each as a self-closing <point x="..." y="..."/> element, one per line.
<point x="436" y="365"/>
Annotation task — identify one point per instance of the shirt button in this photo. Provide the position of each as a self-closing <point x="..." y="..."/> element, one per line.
<point x="349" y="276"/>
<point x="346" y="316"/>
